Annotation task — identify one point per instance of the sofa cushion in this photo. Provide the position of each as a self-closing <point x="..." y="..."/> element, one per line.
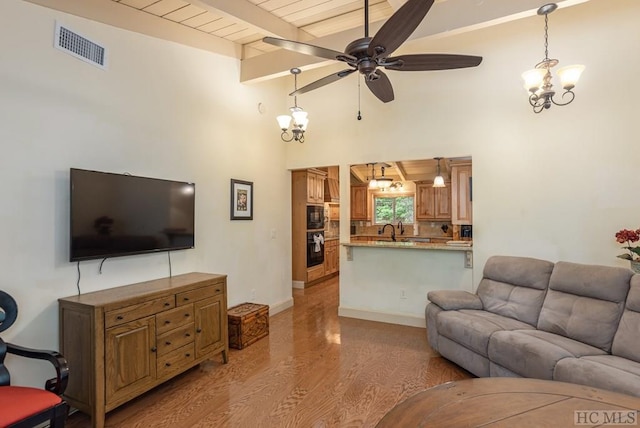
<point x="473" y="328"/>
<point x="625" y="342"/>
<point x="585" y="302"/>
<point x="515" y="287"/>
<point x="534" y="353"/>
<point x="601" y="371"/>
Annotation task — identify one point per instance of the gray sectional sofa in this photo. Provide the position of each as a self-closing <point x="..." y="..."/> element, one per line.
<point x="533" y="318"/>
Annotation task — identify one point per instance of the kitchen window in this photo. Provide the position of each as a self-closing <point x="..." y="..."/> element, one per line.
<point x="391" y="209"/>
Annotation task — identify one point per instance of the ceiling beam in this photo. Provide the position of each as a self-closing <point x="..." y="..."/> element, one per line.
<point x="254" y="16"/>
<point x="445" y="18"/>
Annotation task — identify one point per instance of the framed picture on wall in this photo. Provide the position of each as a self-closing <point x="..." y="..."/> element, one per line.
<point x="241" y="200"/>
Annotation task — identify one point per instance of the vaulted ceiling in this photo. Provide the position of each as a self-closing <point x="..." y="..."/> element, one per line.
<point x="236" y="27"/>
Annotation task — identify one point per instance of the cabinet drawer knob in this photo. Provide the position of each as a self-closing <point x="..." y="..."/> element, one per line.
<point x="154" y="349"/>
<point x="199" y="330"/>
<point x="167" y="304"/>
<point x="187" y="355"/>
<point x="167" y="322"/>
<point x="217" y="290"/>
<point x="186" y="299"/>
<point x="119" y="317"/>
<point x="167" y="343"/>
<point x="187" y="315"/>
<point x="167" y="364"/>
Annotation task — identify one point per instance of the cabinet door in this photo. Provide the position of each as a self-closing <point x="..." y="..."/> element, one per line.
<point x="359" y="203"/>
<point x="130" y="359"/>
<point x="461" y="206"/>
<point x="210" y="324"/>
<point x="425" y="201"/>
<point x="312" y="188"/>
<point x="442" y="202"/>
<point x="320" y="189"/>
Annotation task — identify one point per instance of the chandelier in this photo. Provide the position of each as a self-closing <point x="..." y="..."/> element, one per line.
<point x="538" y="80"/>
<point x="298" y="115"/>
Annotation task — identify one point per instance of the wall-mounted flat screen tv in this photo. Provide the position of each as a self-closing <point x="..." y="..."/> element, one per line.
<point x="119" y="215"/>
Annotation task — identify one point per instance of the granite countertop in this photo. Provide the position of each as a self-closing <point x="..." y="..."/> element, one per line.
<point x="409" y="245"/>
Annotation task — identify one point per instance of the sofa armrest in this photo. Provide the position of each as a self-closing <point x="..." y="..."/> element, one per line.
<point x="451" y="300"/>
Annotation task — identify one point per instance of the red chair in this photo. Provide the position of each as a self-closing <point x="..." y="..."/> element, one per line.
<point x="22" y="407"/>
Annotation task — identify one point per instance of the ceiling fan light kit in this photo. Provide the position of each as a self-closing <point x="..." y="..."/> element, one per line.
<point x="368" y="55"/>
<point x="298" y="115"/>
<point x="538" y="80"/>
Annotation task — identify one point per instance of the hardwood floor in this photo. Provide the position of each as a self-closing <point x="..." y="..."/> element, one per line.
<point x="313" y="370"/>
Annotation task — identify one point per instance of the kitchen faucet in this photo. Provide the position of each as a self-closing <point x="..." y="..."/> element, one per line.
<point x="401" y="227"/>
<point x="393" y="231"/>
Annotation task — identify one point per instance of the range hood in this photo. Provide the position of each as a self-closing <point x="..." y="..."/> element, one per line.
<point x="331" y="190"/>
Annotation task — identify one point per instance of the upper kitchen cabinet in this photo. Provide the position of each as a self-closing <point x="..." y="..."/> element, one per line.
<point x="359" y="202"/>
<point x="433" y="203"/>
<point x="315" y="186"/>
<point x="461" y="194"/>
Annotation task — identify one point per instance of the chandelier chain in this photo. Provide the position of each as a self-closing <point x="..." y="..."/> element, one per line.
<point x="546" y="36"/>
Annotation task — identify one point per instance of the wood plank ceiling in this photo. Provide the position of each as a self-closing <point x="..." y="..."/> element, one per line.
<point x="236" y="27"/>
<point x="317" y="18"/>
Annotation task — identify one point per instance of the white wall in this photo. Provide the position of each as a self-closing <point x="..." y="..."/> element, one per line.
<point x="555" y="186"/>
<point x="159" y="110"/>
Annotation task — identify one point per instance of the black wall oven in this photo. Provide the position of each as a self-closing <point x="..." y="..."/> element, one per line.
<point x="315" y="217"/>
<point x="315" y="248"/>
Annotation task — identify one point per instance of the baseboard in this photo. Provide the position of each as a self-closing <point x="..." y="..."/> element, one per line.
<point x="280" y="306"/>
<point x="391" y="318"/>
<point x="298" y="284"/>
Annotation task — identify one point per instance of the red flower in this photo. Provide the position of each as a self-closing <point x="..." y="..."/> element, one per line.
<point x="629" y="236"/>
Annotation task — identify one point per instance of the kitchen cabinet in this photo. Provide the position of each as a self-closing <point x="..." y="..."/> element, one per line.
<point x="433" y="203"/>
<point x="315" y="186"/>
<point x="360" y="202"/>
<point x="331" y="257"/>
<point x="462" y="206"/>
<point x="123" y="341"/>
<point x="334" y="212"/>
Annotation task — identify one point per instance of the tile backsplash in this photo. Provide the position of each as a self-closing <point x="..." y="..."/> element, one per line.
<point x="424" y="228"/>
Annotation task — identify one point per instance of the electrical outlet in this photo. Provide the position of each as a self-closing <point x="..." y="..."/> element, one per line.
<point x="253" y="294"/>
<point x="273" y="234"/>
<point x="403" y="293"/>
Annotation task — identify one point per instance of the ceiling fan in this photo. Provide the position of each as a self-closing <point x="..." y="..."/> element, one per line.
<point x="367" y="54"/>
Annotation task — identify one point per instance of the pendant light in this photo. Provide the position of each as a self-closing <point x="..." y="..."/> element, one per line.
<point x="438" y="181"/>
<point x="384" y="182"/>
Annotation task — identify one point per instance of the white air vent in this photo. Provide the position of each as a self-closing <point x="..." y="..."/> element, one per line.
<point x="80" y="47"/>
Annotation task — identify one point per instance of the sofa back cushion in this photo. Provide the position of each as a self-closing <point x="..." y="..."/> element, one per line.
<point x="515" y="287"/>
<point x="626" y="343"/>
<point x="585" y="302"/>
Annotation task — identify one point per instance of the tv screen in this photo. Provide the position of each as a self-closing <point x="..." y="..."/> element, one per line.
<point x="119" y="215"/>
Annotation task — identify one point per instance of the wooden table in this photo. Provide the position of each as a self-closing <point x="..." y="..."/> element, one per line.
<point x="511" y="402"/>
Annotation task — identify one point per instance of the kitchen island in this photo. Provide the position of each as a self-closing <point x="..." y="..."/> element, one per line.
<point x="388" y="281"/>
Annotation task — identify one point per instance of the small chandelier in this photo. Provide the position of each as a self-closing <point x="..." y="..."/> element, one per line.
<point x="299" y="116"/>
<point x="538" y="80"/>
<point x="438" y="181"/>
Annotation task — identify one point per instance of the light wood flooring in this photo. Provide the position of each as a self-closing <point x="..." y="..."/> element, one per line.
<point x="313" y="370"/>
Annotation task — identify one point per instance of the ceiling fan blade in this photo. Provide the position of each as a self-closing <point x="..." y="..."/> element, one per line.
<point x="307" y="49"/>
<point x="381" y="87"/>
<point x="324" y="81"/>
<point x="398" y="28"/>
<point x="425" y="62"/>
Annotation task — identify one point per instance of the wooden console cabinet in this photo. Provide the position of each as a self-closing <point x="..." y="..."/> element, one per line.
<point x="123" y="341"/>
